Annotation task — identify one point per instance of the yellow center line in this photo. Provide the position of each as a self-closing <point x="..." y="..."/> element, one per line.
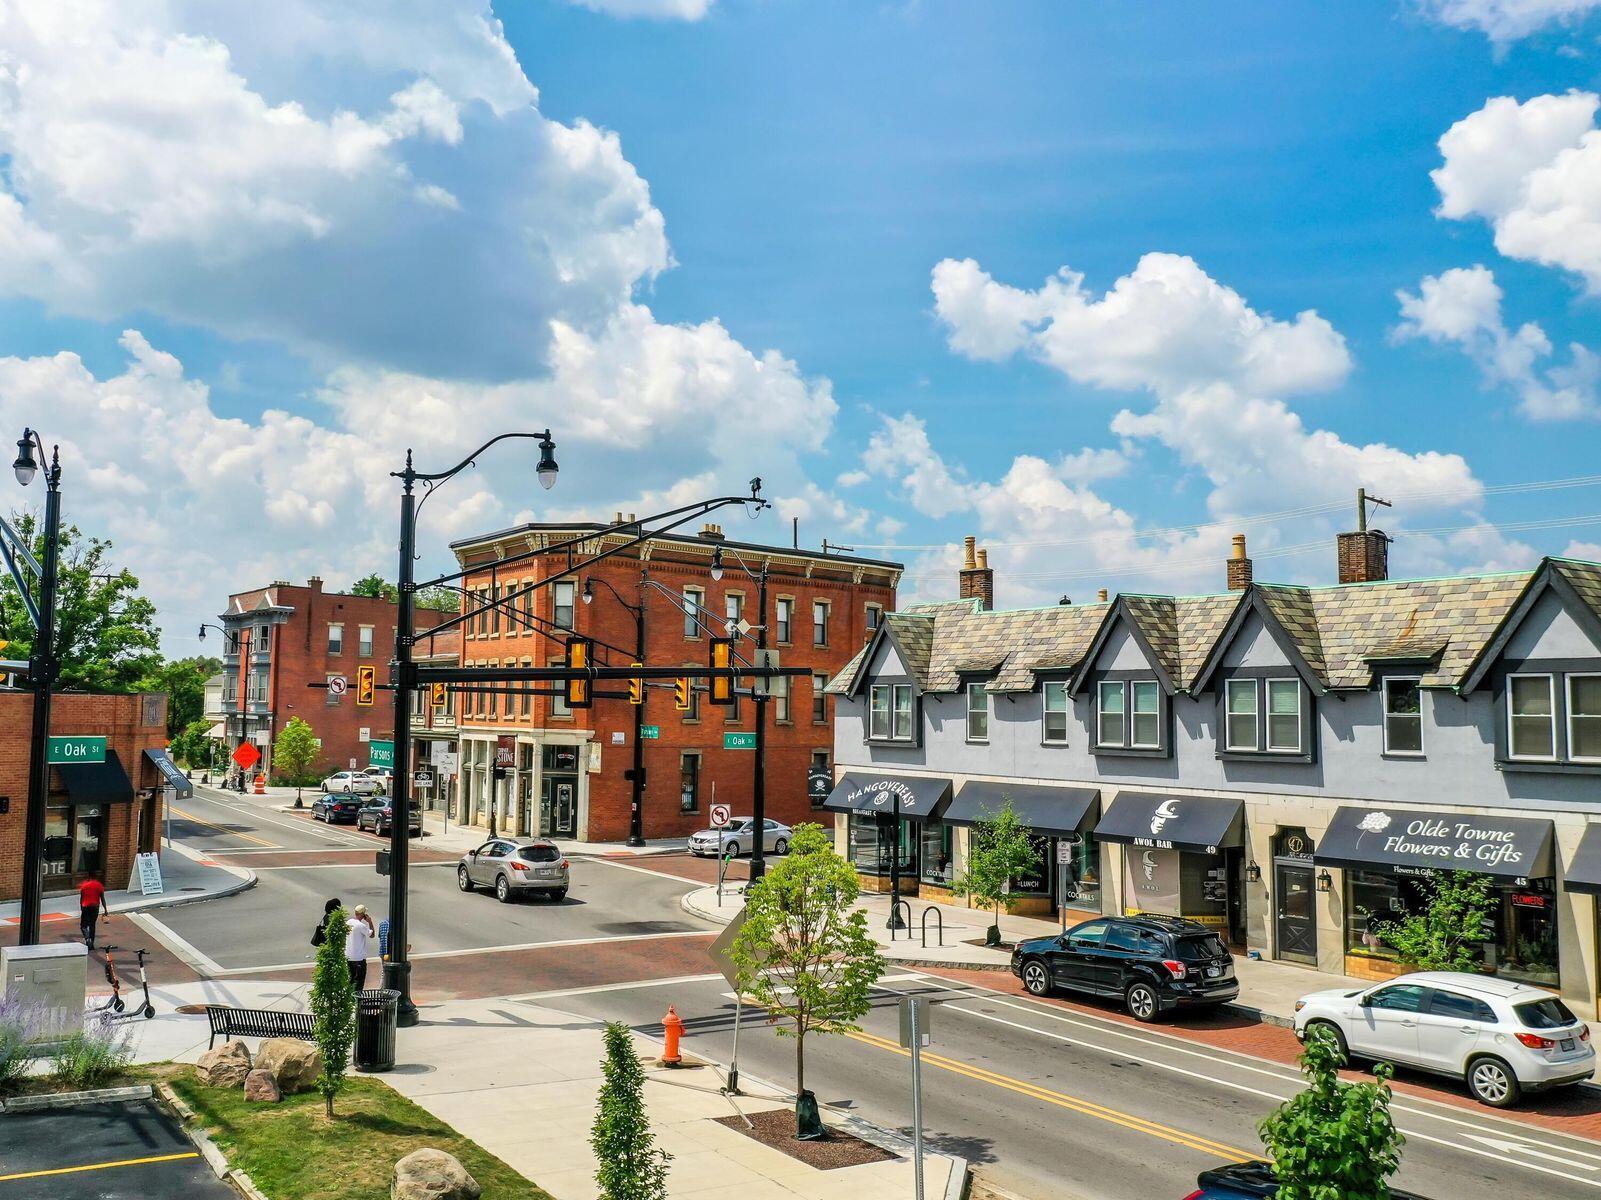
<point x="249" y="837"/>
<point x="1086" y="1107"/>
<point x="105" y="1166"/>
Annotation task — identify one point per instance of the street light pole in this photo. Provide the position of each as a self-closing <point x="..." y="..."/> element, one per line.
<point x="42" y="671"/>
<point x="636" y="809"/>
<point x="758" y="857"/>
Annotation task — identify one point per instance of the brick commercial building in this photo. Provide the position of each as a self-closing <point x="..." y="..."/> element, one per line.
<point x="562" y="771"/>
<point x="433" y="726"/>
<point x="283" y="638"/>
<point x="99" y="814"/>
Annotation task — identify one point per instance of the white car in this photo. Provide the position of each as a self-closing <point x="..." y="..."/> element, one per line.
<point x="348" y="783"/>
<point x="1502" y="1038"/>
<point x="739" y="837"/>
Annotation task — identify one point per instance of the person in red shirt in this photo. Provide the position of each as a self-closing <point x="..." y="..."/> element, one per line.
<point x="92" y="896"/>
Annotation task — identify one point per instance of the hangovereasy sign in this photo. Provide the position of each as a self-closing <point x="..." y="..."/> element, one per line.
<point x="914" y="795"/>
<point x="1511" y="847"/>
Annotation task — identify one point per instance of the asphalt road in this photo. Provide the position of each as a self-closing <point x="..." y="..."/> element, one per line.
<point x="102" y="1152"/>
<point x="1052" y="1099"/>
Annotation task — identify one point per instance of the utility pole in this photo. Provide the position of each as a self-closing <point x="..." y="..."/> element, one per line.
<point x="42" y="671"/>
<point x="397" y="970"/>
<point x="758" y="857"/>
<point x="636" y="812"/>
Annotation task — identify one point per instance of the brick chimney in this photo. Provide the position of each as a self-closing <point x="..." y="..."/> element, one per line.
<point x="711" y="533"/>
<point x="1101" y="596"/>
<point x="315" y="583"/>
<point x="976" y="578"/>
<point x="1364" y="556"/>
<point x="1239" y="566"/>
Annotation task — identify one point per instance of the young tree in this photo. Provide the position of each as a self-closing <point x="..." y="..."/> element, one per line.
<point x="375" y="586"/>
<point x="1335" y="1140"/>
<point x="293" y="753"/>
<point x="333" y="1008"/>
<point x="193" y="747"/>
<point x="804" y="953"/>
<point x="1445" y="936"/>
<point x="184" y="682"/>
<point x="1000" y="852"/>
<point x="631" y="1166"/>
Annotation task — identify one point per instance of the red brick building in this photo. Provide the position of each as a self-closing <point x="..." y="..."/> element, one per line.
<point x="566" y="768"/>
<point x="99" y="815"/>
<point x="433" y="726"/>
<point x="280" y="640"/>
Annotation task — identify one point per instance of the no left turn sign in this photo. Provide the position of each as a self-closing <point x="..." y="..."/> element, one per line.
<point x="337" y="684"/>
<point x="721" y="814"/>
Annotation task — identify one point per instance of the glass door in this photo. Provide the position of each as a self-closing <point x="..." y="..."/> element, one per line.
<point x="558" y="805"/>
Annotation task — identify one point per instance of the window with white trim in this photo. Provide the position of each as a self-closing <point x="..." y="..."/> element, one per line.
<point x="890" y="712"/>
<point x="558" y="700"/>
<point x="780" y="693"/>
<point x="978" y="713"/>
<point x="784" y="617"/>
<point x="1403" y="716"/>
<point x="1111" y="726"/>
<point x="1145" y="714"/>
<point x="901" y="728"/>
<point x="875" y="616"/>
<point x="1284" y="716"/>
<point x="694" y="598"/>
<point x="878" y="703"/>
<point x="336" y="638"/>
<point x="1584" y="718"/>
<point x="819" y="622"/>
<point x="819" y="699"/>
<point x="1531" y="716"/>
<point x="1056" y="712"/>
<point x="1240" y="720"/>
<point x="563" y="595"/>
<point x="364" y="641"/>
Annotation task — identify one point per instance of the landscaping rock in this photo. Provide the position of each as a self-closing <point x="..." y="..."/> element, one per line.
<point x="429" y="1174"/>
<point x="260" y="1086"/>
<point x="294" y="1064"/>
<point x="226" y="1066"/>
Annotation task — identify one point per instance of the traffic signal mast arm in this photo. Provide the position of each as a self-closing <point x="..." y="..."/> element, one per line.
<point x="468" y="675"/>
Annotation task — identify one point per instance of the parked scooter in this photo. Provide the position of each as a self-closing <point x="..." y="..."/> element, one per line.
<point x="116" y="1004"/>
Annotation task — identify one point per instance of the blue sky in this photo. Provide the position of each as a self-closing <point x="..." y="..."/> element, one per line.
<point x="700" y="239"/>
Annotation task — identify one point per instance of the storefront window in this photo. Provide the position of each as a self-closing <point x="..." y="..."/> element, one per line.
<point x="935" y="854"/>
<point x="872" y="842"/>
<point x="1084" y="874"/>
<point x="1036" y="878"/>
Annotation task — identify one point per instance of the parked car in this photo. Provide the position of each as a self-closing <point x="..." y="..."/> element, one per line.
<point x="513" y="867"/>
<point x="1248" y="1180"/>
<point x="384" y="776"/>
<point x="1501" y="1038"/>
<point x="357" y="783"/>
<point x="1152" y="964"/>
<point x="738" y="837"/>
<point x="380" y="815"/>
<point x="335" y="808"/>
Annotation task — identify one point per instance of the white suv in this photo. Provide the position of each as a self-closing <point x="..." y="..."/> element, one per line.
<point x="1503" y="1038"/>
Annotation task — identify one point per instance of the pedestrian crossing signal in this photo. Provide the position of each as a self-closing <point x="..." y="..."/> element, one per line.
<point x="636" y="688"/>
<point x="722" y="681"/>
<point x="439" y="694"/>
<point x="681" y="693"/>
<point x="578" y="690"/>
<point x="366" y="685"/>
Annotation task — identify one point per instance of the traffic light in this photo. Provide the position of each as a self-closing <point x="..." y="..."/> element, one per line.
<point x="438" y="694"/>
<point x="636" y="687"/>
<point x="681" y="693"/>
<point x="578" y="690"/>
<point x="366" y="685"/>
<point x="722" y="663"/>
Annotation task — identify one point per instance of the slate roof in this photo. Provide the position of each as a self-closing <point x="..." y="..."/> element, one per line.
<point x="1201" y="621"/>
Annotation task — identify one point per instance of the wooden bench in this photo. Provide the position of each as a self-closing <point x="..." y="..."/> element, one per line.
<point x="229" y="1022"/>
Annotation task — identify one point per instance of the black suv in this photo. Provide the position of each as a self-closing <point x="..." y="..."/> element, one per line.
<point x="1152" y="964"/>
<point x="1245" y="1181"/>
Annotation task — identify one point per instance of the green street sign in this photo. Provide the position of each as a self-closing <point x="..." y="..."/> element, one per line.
<point x="381" y="754"/>
<point x="739" y="741"/>
<point x="75" y="748"/>
<point x="650" y="733"/>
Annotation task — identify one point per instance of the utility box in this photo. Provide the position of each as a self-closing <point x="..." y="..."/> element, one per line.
<point x="49" y="984"/>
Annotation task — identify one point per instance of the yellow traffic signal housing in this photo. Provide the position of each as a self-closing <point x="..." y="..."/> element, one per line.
<point x="578" y="690"/>
<point x="722" y="664"/>
<point x="636" y="687"/>
<point x="439" y="694"/>
<point x="366" y="685"/>
<point x="681" y="693"/>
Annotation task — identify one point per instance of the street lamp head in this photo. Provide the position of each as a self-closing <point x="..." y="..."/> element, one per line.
<point x="589" y="592"/>
<point x="26" y="465"/>
<point x="202" y="633"/>
<point x="547" y="462"/>
<point x="717" y="563"/>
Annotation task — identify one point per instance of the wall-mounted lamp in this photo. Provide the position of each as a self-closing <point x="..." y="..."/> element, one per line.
<point x="1325" y="882"/>
<point x="1253" y="873"/>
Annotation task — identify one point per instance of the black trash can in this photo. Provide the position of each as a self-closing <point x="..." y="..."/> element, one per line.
<point x="376" y="1010"/>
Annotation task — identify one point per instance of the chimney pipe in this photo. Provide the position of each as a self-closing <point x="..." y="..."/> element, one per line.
<point x="1101" y="596"/>
<point x="968" y="563"/>
<point x="1239" y="566"/>
<point x="976" y="578"/>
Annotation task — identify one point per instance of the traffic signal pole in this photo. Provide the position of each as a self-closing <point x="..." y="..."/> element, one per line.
<point x="42" y="671"/>
<point x="758" y="857"/>
<point x="636" y="810"/>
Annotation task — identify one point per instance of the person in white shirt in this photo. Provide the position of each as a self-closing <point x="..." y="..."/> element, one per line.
<point x="358" y="946"/>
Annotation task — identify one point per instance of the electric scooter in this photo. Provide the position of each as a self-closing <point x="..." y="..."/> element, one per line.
<point x="116" y="1004"/>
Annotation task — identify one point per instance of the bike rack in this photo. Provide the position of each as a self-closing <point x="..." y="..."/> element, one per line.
<point x="895" y="907"/>
<point x="939" y="919"/>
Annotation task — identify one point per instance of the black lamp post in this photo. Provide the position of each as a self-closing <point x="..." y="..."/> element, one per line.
<point x="42" y="672"/>
<point x="758" y="856"/>
<point x="397" y="970"/>
<point x="636" y="810"/>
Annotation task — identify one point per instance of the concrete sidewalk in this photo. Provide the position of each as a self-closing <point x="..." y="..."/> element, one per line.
<point x="1268" y="990"/>
<point x="188" y="877"/>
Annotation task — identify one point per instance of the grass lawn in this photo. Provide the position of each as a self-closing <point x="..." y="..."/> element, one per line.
<point x="293" y="1152"/>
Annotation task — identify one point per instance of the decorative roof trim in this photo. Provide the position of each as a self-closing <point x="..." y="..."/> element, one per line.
<point x="1548" y="576"/>
<point x="1252" y="602"/>
<point x="862" y="670"/>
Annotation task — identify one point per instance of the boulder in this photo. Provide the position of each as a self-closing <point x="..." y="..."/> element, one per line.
<point x="226" y="1066"/>
<point x="429" y="1174"/>
<point x="259" y="1085"/>
<point x="294" y="1064"/>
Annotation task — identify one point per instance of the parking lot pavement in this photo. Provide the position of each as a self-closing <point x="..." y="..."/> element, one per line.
<point x="126" y="1151"/>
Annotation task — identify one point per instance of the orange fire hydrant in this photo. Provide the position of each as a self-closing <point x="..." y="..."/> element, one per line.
<point x="261" y="785"/>
<point x="673" y="1027"/>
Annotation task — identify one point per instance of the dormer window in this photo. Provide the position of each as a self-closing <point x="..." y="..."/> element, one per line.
<point x="1532" y="716"/>
<point x="1264" y="716"/>
<point x="889" y="712"/>
<point x="1128" y="714"/>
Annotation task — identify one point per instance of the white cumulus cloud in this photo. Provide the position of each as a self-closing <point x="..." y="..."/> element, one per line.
<point x="1508" y="20"/>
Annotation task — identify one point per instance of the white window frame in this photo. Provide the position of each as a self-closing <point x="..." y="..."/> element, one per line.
<point x="568" y="588"/>
<point x="1131" y="690"/>
<point x="1268" y="714"/>
<point x="1066" y="710"/>
<point x="820" y="613"/>
<point x="888" y="693"/>
<point x="1567" y="686"/>
<point x="340" y="626"/>
<point x="364" y="641"/>
<point x="1551" y="692"/>
<point x="1229" y="714"/>
<point x="819" y="698"/>
<point x="784" y="619"/>
<point x="780" y="694"/>
<point x="1384" y="705"/>
<point x="694" y="601"/>
<point x="896" y="692"/>
<point x="1101" y="710"/>
<point x="558" y="699"/>
<point x="983" y="711"/>
<point x="873" y="615"/>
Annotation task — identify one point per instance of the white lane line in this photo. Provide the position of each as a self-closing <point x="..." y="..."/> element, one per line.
<point x="612" y="987"/>
<point x="1514" y="1146"/>
<point x="184" y="950"/>
<point x="305" y="825"/>
<point x="416" y="866"/>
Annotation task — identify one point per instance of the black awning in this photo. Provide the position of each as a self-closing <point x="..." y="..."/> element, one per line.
<point x="96" y="782"/>
<point x="1585" y="873"/>
<point x="1173" y="822"/>
<point x="921" y="797"/>
<point x="170" y="773"/>
<point x="1510" y="847"/>
<point x="1042" y="808"/>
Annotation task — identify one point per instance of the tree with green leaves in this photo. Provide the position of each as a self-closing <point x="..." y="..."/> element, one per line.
<point x="293" y="753"/>
<point x="1334" y="1140"/>
<point x="803" y="952"/>
<point x="194" y="746"/>
<point x="184" y="682"/>
<point x="632" y="1167"/>
<point x="333" y="1007"/>
<point x="106" y="636"/>
<point x="438" y="599"/>
<point x="1446" y="934"/>
<point x="375" y="586"/>
<point x="1000" y="851"/>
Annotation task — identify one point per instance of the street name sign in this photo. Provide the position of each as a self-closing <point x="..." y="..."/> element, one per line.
<point x="75" y="748"/>
<point x="650" y="733"/>
<point x="380" y="754"/>
<point x="739" y="741"/>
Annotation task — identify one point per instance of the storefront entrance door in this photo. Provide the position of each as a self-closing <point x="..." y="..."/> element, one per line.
<point x="558" y="803"/>
<point x="1296" y="893"/>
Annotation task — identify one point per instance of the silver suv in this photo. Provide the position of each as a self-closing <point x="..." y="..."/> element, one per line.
<point x="514" y="867"/>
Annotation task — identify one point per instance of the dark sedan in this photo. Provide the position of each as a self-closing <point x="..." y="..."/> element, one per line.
<point x="335" y="808"/>
<point x="379" y="816"/>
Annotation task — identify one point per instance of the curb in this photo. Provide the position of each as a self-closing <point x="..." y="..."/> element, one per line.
<point x="23" y="1104"/>
<point x="245" y="879"/>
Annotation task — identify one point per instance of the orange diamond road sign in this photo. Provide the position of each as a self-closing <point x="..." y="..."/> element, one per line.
<point x="246" y="756"/>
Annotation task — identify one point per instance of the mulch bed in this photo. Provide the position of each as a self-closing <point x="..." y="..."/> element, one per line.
<point x="987" y="946"/>
<point x="776" y="1128"/>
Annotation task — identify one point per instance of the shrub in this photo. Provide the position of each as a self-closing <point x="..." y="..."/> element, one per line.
<point x="98" y="1053"/>
<point x="631" y="1166"/>
<point x="19" y="1028"/>
<point x="333" y="1008"/>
